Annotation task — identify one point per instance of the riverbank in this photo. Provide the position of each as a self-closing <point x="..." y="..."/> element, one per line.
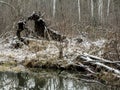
<point x="46" y="55"/>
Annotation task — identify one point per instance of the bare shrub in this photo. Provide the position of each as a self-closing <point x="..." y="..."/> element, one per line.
<point x="112" y="47"/>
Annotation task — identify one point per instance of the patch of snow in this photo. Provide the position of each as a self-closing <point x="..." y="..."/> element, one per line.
<point x="99" y="43"/>
<point x="70" y="49"/>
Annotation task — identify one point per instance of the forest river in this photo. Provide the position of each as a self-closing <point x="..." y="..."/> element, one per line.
<point x="47" y="80"/>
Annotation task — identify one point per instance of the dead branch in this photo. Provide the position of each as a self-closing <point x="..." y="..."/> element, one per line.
<point x="99" y="62"/>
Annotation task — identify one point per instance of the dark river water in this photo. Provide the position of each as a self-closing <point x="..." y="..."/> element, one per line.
<point x="46" y="80"/>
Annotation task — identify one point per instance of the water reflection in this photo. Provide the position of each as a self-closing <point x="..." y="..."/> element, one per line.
<point x="43" y="81"/>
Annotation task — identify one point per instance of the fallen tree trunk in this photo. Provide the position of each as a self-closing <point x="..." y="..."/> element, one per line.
<point x="93" y="60"/>
<point x="100" y="59"/>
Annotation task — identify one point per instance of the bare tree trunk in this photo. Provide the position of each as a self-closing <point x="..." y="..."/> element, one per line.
<point x="54" y="8"/>
<point x="92" y="8"/>
<point x="100" y="9"/>
<point x="108" y="8"/>
<point x="79" y="13"/>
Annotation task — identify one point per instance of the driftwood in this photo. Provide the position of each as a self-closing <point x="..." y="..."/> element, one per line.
<point x="101" y="70"/>
<point x="102" y="63"/>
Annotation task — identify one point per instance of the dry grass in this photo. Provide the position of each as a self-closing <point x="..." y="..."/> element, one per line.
<point x="112" y="47"/>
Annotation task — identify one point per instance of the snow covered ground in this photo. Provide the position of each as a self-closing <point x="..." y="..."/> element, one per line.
<point x="48" y="49"/>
